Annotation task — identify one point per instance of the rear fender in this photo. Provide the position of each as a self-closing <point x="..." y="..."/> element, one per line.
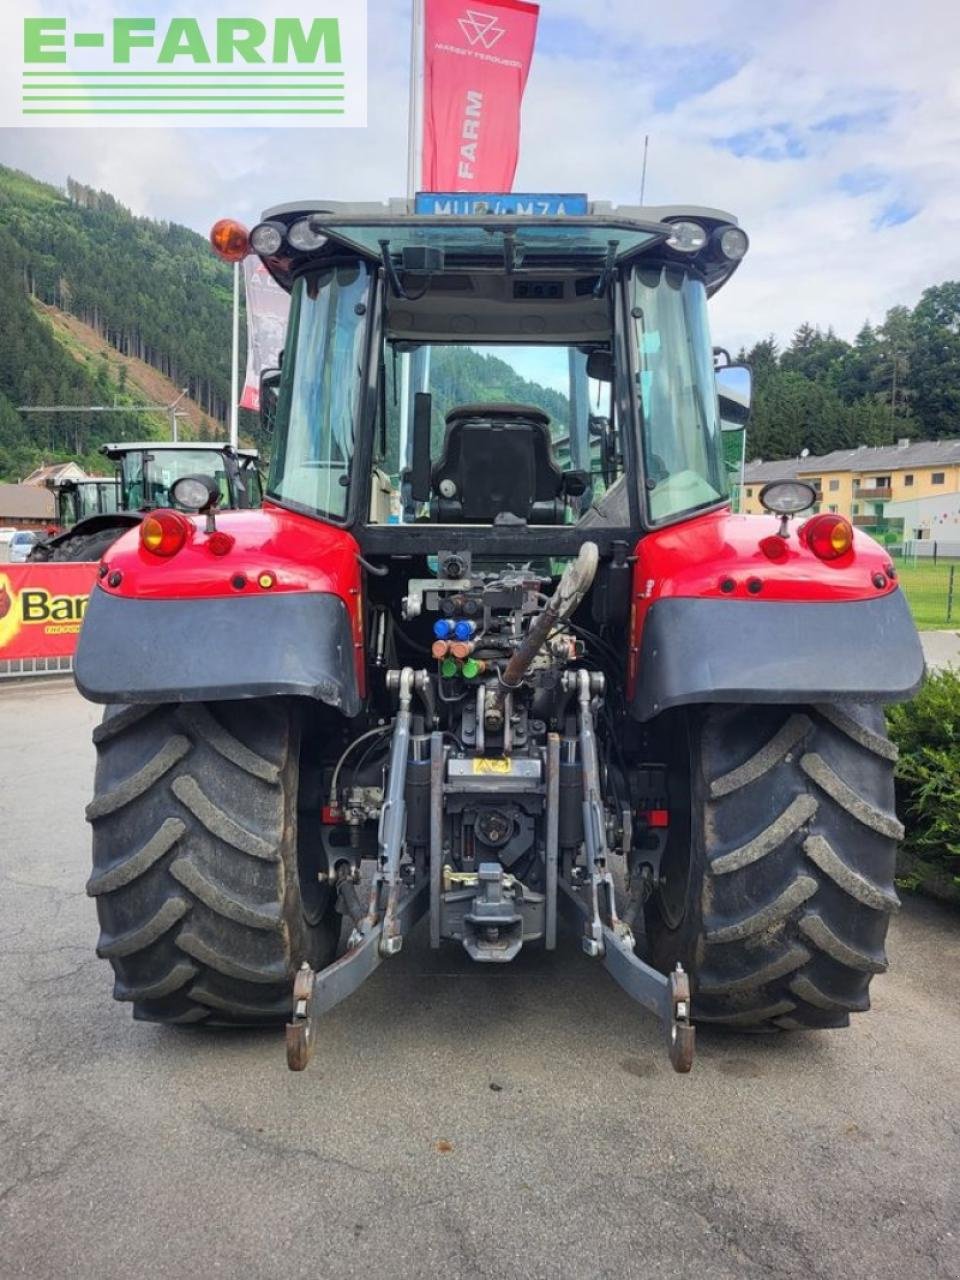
<point x="279" y="614"/>
<point x="119" y="520"/>
<point x="715" y="619"/>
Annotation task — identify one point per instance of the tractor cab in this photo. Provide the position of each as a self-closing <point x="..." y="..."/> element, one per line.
<point x="148" y="469"/>
<point x="95" y="513"/>
<point x="501" y="373"/>
<point x="79" y="499"/>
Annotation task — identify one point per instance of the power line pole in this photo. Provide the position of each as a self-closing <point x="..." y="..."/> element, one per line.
<point x="171" y="409"/>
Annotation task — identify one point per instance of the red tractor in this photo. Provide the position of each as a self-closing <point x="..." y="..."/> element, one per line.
<point x="496" y="633"/>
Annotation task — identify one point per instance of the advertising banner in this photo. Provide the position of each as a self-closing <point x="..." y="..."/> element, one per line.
<point x="268" y="309"/>
<point x="476" y="62"/>
<point x="42" y="607"/>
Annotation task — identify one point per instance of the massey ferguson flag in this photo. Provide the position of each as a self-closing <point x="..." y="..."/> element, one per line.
<point x="267" y="310"/>
<point x="475" y="70"/>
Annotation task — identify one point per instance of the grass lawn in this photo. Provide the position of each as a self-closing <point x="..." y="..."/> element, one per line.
<point x="926" y="586"/>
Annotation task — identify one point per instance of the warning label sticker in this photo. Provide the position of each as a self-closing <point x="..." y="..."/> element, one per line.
<point x="489" y="765"/>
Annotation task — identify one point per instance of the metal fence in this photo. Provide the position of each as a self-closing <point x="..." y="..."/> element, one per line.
<point x="929" y="576"/>
<point x="17" y="668"/>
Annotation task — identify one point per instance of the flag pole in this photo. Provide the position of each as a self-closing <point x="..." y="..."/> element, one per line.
<point x="414" y="147"/>
<point x="235" y="361"/>
<point x="415" y="108"/>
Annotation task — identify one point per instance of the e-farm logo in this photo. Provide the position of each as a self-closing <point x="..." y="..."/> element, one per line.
<point x="303" y="66"/>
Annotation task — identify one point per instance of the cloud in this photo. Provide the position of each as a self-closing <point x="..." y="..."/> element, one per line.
<point x="838" y="129"/>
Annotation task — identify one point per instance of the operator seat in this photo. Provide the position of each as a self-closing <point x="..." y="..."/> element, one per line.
<point x="497" y="459"/>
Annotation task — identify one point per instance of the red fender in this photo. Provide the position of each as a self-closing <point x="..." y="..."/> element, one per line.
<point x="728" y="556"/>
<point x="295" y="552"/>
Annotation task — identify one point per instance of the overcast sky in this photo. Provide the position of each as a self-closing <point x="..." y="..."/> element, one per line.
<point x="830" y="128"/>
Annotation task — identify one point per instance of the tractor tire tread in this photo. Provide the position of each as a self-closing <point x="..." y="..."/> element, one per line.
<point x="126" y="944"/>
<point x="200" y="721"/>
<point x="766" y="915"/>
<point x="799" y="811"/>
<point x="181" y="973"/>
<point x="770" y="754"/>
<point x="195" y="868"/>
<point x="117" y="875"/>
<point x="125" y="792"/>
<point x="793" y="883"/>
<point x="222" y="903"/>
<point x="218" y="822"/>
<point x="816" y="768"/>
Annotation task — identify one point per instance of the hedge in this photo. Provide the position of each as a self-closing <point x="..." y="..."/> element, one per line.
<point x="927" y="732"/>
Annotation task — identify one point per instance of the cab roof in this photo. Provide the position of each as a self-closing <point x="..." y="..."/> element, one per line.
<point x="182" y="446"/>
<point x="508" y="240"/>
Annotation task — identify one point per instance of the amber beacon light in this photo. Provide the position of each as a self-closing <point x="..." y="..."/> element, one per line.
<point x="230" y="240"/>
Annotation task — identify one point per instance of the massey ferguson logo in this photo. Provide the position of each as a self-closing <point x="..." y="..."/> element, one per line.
<point x="481" y="28"/>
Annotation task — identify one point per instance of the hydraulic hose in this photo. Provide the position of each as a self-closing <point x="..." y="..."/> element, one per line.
<point x="573" y="586"/>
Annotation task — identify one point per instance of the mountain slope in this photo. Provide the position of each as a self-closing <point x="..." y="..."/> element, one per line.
<point x="100" y="307"/>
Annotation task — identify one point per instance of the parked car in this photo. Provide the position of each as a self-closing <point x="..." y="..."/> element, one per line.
<point x="21" y="544"/>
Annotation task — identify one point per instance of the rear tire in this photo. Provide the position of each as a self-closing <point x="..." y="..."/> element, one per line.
<point x="779" y="907"/>
<point x="88" y="547"/>
<point x="197" y="875"/>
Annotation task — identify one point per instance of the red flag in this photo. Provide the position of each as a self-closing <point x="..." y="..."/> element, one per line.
<point x="477" y="58"/>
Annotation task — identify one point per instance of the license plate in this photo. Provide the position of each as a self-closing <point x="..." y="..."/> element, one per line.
<point x="477" y="204"/>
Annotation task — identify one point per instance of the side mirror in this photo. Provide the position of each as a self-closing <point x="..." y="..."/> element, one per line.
<point x="735" y="391"/>
<point x="269" y="399"/>
<point x="600" y="366"/>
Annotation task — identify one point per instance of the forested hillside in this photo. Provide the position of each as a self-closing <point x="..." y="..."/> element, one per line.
<point x="900" y="378"/>
<point x="148" y="289"/>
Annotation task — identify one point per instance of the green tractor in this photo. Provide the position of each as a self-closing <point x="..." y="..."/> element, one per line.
<point x="94" y="513"/>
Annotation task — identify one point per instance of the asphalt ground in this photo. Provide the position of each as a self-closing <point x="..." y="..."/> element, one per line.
<point x="941" y="648"/>
<point x="457" y="1121"/>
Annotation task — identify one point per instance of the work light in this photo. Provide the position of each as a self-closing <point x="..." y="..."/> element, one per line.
<point x="687" y="237"/>
<point x="787" y="497"/>
<point x="266" y="239"/>
<point x="303" y="237"/>
<point x="732" y="243"/>
<point x="195" y="493"/>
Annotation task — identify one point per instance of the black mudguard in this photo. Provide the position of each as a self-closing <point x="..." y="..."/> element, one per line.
<point x="121" y="521"/>
<point x="288" y="643"/>
<point x="695" y="650"/>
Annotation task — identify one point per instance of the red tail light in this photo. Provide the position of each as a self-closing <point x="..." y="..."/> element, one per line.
<point x="829" y="536"/>
<point x="219" y="543"/>
<point x="163" y="533"/>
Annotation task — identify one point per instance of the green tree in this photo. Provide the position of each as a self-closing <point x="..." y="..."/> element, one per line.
<point x="934" y="373"/>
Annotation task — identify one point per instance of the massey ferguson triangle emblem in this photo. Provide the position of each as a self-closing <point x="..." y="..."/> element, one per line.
<point x="481" y="28"/>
